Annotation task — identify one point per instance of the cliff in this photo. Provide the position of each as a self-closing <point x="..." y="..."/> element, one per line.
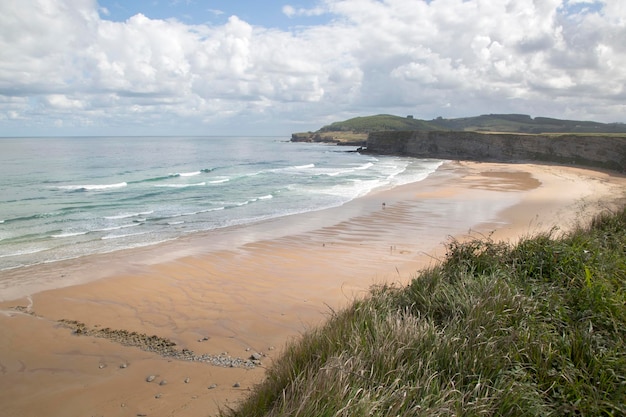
<point x="597" y="151"/>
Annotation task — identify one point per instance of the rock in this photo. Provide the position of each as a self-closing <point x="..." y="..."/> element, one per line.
<point x="187" y="380"/>
<point x="159" y="395"/>
<point x="150" y="378"/>
<point x="256" y="356"/>
<point x="102" y="366"/>
<point x="587" y="150"/>
<point x="236" y="385"/>
<point x="163" y="382"/>
<point x="162" y="346"/>
<point x="212" y="386"/>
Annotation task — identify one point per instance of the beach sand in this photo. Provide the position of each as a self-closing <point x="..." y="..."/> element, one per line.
<point x="252" y="289"/>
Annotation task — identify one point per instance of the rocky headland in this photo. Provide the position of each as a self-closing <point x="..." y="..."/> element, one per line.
<point x="504" y="138"/>
<point x="595" y="151"/>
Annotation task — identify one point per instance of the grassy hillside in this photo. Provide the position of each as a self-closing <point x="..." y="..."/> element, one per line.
<point x="521" y="123"/>
<point x="534" y="329"/>
<point x="378" y="123"/>
<point x="357" y="128"/>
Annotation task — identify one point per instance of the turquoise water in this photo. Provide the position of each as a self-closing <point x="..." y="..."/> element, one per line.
<point x="63" y="198"/>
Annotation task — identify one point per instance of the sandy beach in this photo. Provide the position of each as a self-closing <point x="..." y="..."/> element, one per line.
<point x="244" y="292"/>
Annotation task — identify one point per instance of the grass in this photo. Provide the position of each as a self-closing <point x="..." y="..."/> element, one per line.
<point x="532" y="329"/>
<point x="379" y="122"/>
<point x="510" y="123"/>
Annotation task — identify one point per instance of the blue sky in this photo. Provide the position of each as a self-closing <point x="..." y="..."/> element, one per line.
<point x="216" y="67"/>
<point x="267" y="13"/>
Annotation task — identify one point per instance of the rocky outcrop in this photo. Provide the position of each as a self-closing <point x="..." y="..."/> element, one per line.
<point x="597" y="151"/>
<point x="339" y="138"/>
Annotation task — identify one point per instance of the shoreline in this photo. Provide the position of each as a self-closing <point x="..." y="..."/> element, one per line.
<point x="251" y="289"/>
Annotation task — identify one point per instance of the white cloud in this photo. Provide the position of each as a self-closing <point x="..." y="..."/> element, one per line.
<point x="60" y="61"/>
<point x="291" y="11"/>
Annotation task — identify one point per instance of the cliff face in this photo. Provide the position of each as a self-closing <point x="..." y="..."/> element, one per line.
<point x="607" y="152"/>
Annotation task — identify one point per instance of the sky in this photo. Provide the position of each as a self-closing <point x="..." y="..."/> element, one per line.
<point x="273" y="67"/>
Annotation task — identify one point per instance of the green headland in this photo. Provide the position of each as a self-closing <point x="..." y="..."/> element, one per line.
<point x="356" y="130"/>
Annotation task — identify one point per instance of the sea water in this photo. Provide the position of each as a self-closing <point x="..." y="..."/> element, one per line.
<point x="67" y="197"/>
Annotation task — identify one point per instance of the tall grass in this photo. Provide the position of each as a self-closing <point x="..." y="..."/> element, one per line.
<point x="534" y="329"/>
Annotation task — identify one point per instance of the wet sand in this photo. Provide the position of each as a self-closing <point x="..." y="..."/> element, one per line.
<point x="250" y="290"/>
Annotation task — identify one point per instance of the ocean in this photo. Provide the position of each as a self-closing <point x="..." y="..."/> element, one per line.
<point x="67" y="197"/>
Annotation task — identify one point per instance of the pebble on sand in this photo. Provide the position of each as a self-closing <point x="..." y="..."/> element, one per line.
<point x="150" y="378"/>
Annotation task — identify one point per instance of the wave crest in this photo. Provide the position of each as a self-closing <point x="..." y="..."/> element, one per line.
<point x="92" y="187"/>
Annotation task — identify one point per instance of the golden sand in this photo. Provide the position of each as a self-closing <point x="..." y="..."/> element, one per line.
<point x="252" y="289"/>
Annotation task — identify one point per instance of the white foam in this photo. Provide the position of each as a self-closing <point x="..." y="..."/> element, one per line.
<point x="124" y="226"/>
<point x="109" y="237"/>
<point x="92" y="187"/>
<point x="198" y="184"/>
<point x="365" y="166"/>
<point x="23" y="252"/>
<point x="190" y="174"/>
<point x="69" y="234"/>
<point x="193" y="213"/>
<point x="220" y="181"/>
<point x="128" y="215"/>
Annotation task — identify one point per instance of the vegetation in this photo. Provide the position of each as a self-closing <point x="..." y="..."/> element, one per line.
<point x="341" y="138"/>
<point x="521" y="123"/>
<point x="503" y="123"/>
<point x="378" y="123"/>
<point x="536" y="328"/>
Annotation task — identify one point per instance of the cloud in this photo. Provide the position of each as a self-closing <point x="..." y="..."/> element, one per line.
<point x="291" y="11"/>
<point x="60" y="61"/>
